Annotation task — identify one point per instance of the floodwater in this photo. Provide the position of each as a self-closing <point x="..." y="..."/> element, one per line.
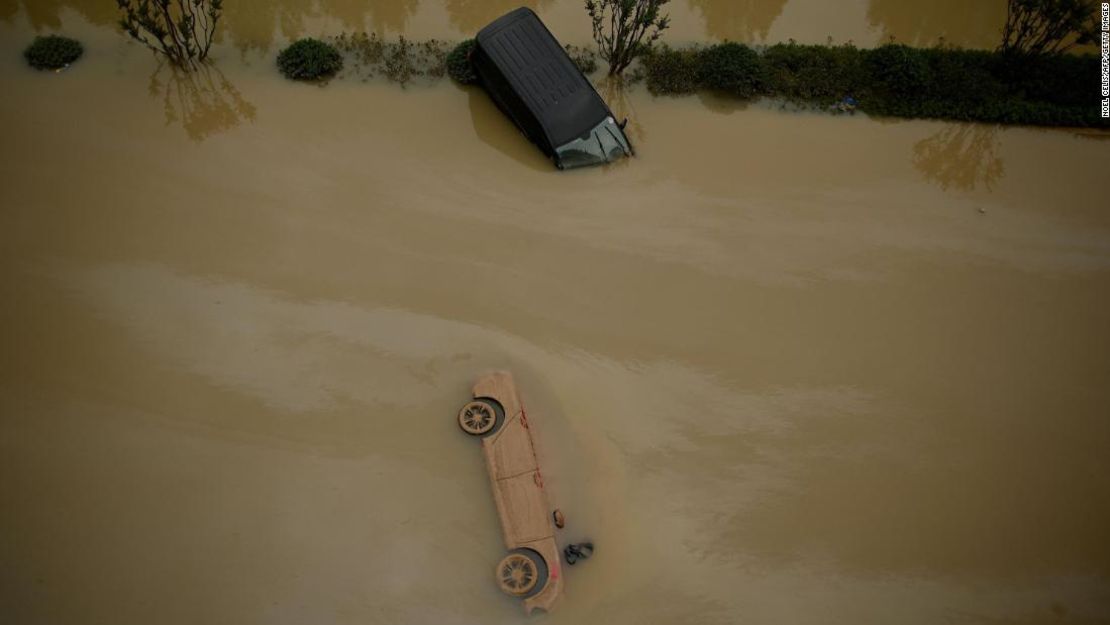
<point x="782" y="367"/>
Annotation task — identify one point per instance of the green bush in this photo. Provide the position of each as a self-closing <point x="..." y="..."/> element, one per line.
<point x="976" y="85"/>
<point x="961" y="75"/>
<point x="52" y="52"/>
<point x="893" y="80"/>
<point x="898" y="70"/>
<point x="671" y="71"/>
<point x="813" y="73"/>
<point x="909" y="82"/>
<point x="309" y="59"/>
<point x="458" y="63"/>
<point x="1062" y="80"/>
<point x="733" y="68"/>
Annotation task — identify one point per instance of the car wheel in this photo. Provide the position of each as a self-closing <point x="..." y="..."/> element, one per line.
<point x="521" y="573"/>
<point x="478" y="417"/>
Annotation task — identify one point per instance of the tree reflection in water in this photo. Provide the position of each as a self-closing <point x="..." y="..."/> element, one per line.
<point x="393" y="15"/>
<point x="960" y="156"/>
<point x="203" y="101"/>
<point x="250" y="23"/>
<point x="739" y="20"/>
<point x="956" y="22"/>
<point x="47" y="13"/>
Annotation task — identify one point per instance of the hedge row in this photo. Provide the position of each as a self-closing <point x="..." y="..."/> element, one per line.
<point x="893" y="80"/>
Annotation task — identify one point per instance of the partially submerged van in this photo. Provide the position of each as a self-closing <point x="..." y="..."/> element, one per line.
<point x="533" y="80"/>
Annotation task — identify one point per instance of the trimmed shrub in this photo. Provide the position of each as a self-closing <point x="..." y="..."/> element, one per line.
<point x="898" y="70"/>
<point x="671" y="71"/>
<point x="309" y="59"/>
<point x="458" y="63"/>
<point x="733" y="68"/>
<point x="814" y="73"/>
<point x="1062" y="80"/>
<point x="893" y="80"/>
<point x="52" y="52"/>
<point x="961" y="75"/>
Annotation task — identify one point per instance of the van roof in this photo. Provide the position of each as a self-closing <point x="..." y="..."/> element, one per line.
<point x="542" y="73"/>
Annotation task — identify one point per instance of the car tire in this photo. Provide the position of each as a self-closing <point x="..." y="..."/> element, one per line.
<point x="481" y="417"/>
<point x="522" y="573"/>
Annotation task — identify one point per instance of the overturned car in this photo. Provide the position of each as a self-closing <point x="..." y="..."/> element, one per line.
<point x="533" y="80"/>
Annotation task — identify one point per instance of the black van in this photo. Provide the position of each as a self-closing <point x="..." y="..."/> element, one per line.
<point x="533" y="80"/>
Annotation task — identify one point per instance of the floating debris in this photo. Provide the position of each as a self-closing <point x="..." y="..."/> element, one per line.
<point x="578" y="551"/>
<point x="847" y="104"/>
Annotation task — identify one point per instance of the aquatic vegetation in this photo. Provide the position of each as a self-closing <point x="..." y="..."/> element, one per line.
<point x="309" y="59"/>
<point x="402" y="61"/>
<point x="458" y="63"/>
<point x="52" y="52"/>
<point x="180" y="30"/>
<point x="625" y="30"/>
<point x="366" y="48"/>
<point x="892" y="80"/>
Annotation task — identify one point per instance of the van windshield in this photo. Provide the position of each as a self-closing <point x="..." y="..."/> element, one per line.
<point x="605" y="142"/>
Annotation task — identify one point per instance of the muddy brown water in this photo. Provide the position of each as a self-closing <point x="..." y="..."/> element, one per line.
<point x="783" y="368"/>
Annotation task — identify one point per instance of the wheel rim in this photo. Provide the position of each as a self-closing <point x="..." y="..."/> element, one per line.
<point x="517" y="574"/>
<point x="477" y="418"/>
